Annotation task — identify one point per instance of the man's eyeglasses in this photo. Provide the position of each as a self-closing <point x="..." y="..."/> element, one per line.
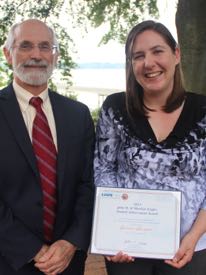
<point x="43" y="47"/>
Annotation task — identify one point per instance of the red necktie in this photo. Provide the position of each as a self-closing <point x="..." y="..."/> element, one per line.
<point x="46" y="155"/>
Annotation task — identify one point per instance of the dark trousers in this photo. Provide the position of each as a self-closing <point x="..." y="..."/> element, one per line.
<point x="197" y="266"/>
<point x="76" y="267"/>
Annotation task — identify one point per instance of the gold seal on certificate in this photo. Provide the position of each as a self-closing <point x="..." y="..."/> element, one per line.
<point x="141" y="223"/>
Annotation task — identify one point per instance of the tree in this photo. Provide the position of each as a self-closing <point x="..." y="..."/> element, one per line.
<point x="121" y="15"/>
<point x="5" y="71"/>
<point x="47" y="10"/>
<point x="191" y="22"/>
<point x="117" y="13"/>
<point x="95" y="115"/>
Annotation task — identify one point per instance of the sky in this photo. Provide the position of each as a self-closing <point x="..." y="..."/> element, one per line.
<point x="89" y="51"/>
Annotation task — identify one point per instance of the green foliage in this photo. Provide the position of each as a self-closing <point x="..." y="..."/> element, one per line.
<point x="52" y="85"/>
<point x="12" y="11"/>
<point x="95" y="115"/>
<point x="48" y="11"/>
<point x="121" y="15"/>
<point x="72" y="95"/>
<point x="5" y="71"/>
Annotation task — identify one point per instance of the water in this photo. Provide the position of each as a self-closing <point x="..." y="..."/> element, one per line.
<point x="93" y="85"/>
<point x="99" y="78"/>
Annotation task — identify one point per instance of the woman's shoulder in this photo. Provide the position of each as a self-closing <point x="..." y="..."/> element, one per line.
<point x="196" y="98"/>
<point x="195" y="106"/>
<point x="115" y="101"/>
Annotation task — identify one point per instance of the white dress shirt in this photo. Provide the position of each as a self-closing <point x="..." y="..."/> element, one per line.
<point x="29" y="112"/>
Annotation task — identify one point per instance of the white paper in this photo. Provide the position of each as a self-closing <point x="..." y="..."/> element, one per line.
<point x="141" y="223"/>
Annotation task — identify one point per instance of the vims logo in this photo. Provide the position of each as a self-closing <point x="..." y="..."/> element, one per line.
<point x="106" y="194"/>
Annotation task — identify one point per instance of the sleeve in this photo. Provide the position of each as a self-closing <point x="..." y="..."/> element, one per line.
<point x="106" y="149"/>
<point x="80" y="231"/>
<point x="18" y="244"/>
<point x="203" y="153"/>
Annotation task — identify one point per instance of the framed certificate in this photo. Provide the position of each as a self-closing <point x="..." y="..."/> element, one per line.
<point x="140" y="223"/>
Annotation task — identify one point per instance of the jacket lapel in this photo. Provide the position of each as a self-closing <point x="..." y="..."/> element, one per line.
<point x="62" y="136"/>
<point x="14" y="118"/>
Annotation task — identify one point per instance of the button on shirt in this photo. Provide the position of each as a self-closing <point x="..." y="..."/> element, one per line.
<point x="29" y="112"/>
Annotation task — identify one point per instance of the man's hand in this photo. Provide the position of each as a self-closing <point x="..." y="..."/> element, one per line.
<point x="41" y="252"/>
<point x="57" y="258"/>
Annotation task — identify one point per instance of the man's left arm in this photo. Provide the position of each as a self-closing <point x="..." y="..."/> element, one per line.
<point x="80" y="230"/>
<point x="60" y="253"/>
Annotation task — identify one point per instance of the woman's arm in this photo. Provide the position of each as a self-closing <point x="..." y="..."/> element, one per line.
<point x="188" y="243"/>
<point x="106" y="149"/>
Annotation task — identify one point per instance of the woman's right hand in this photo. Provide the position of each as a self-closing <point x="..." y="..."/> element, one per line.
<point x="120" y="257"/>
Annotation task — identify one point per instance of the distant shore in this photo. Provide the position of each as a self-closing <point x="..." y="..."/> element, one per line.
<point x="97" y="65"/>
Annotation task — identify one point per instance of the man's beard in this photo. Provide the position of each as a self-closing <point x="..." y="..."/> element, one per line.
<point x="33" y="76"/>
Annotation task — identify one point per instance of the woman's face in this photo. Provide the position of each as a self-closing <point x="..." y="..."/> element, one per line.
<point x="154" y="63"/>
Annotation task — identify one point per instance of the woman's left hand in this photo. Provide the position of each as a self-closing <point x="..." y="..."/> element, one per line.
<point x="188" y="243"/>
<point x="184" y="253"/>
<point x="120" y="257"/>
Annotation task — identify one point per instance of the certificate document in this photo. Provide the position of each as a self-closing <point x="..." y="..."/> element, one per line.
<point x="140" y="223"/>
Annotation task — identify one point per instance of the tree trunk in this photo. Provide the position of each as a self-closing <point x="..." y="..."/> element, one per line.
<point x="191" y="32"/>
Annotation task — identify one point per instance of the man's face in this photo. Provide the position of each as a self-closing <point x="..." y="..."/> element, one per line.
<point x="32" y="56"/>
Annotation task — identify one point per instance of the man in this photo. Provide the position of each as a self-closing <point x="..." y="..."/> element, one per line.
<point x="46" y="193"/>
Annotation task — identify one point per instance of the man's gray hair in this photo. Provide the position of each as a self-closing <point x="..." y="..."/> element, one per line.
<point x="11" y="36"/>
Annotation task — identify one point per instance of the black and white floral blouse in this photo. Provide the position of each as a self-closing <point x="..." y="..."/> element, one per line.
<point x="128" y="155"/>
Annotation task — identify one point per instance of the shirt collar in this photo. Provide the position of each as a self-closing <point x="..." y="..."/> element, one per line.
<point x="24" y="96"/>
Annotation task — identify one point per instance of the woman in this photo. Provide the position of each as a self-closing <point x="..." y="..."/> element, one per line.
<point x="154" y="137"/>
